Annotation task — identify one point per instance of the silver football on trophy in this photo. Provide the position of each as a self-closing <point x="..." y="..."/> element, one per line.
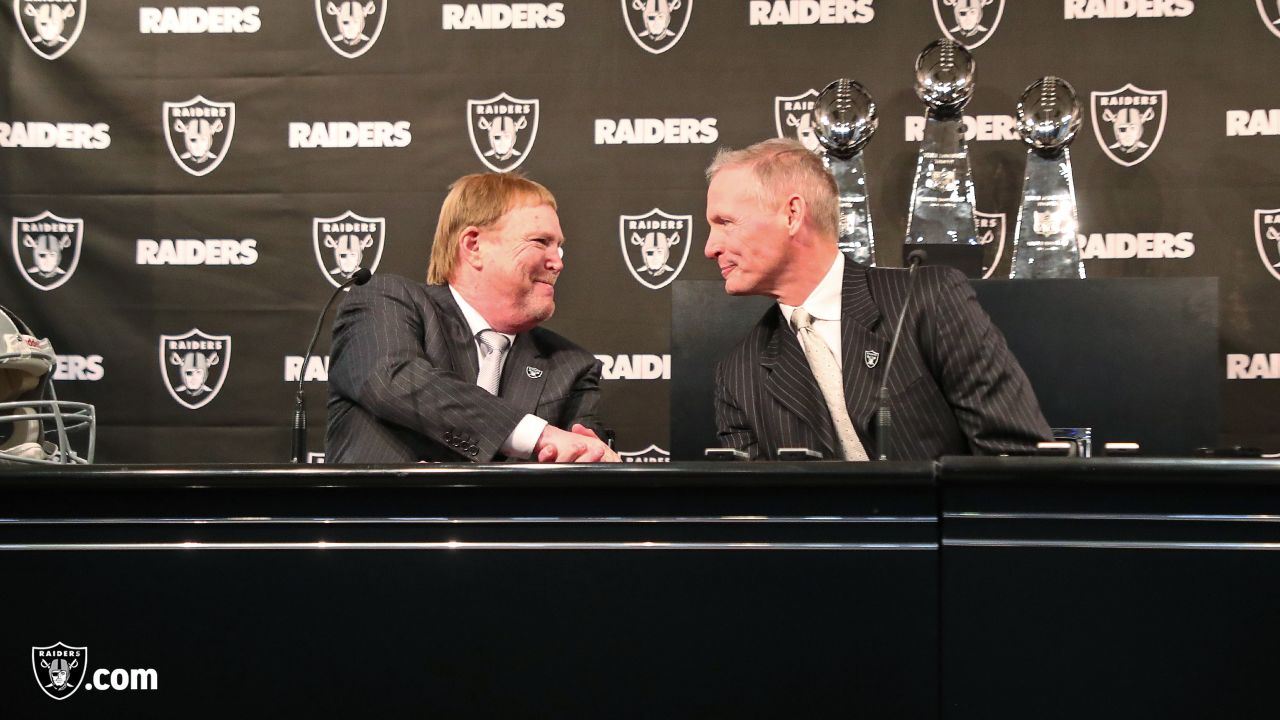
<point x="944" y="76"/>
<point x="844" y="117"/>
<point x="1048" y="113"/>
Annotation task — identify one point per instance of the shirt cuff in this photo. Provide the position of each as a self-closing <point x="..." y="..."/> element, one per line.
<point x="521" y="442"/>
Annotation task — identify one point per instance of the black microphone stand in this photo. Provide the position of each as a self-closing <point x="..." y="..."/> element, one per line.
<point x="884" y="417"/>
<point x="299" y="452"/>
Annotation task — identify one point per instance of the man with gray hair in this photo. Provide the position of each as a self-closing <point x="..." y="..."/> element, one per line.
<point x="809" y="373"/>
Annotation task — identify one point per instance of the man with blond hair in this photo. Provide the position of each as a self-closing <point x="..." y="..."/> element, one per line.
<point x="457" y="369"/>
<point x="809" y="373"/>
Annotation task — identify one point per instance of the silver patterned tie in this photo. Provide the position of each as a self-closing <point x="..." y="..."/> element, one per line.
<point x="827" y="373"/>
<point x="493" y="346"/>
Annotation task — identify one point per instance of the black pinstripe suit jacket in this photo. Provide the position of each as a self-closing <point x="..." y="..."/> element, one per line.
<point x="955" y="387"/>
<point x="402" y="380"/>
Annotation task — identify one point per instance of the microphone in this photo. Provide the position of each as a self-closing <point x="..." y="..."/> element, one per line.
<point x="884" y="416"/>
<point x="299" y="453"/>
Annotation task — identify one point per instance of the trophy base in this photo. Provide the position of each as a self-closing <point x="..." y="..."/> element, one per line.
<point x="961" y="256"/>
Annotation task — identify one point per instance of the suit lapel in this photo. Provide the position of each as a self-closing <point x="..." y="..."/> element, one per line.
<point x="863" y="344"/>
<point x="458" y="338"/>
<point x="790" y="380"/>
<point x="525" y="373"/>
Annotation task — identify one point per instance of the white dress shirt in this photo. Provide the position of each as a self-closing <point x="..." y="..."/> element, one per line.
<point x="824" y="305"/>
<point x="521" y="442"/>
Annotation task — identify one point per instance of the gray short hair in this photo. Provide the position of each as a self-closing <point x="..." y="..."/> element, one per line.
<point x="784" y="166"/>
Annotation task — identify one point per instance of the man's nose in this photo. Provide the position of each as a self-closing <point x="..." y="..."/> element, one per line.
<point x="712" y="249"/>
<point x="555" y="259"/>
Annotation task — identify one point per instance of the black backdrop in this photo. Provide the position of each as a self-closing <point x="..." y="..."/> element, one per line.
<point x="616" y="118"/>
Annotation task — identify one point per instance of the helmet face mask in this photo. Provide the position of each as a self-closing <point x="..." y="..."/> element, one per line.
<point x="36" y="427"/>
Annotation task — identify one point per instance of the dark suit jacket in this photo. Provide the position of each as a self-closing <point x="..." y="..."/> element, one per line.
<point x="955" y="388"/>
<point x="402" y="380"/>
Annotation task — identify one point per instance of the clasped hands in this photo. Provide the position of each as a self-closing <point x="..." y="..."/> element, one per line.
<point x="578" y="444"/>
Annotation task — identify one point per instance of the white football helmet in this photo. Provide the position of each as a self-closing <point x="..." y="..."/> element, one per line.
<point x="36" y="427"/>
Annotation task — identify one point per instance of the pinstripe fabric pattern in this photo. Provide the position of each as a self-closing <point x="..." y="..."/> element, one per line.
<point x="402" y="380"/>
<point x="955" y="388"/>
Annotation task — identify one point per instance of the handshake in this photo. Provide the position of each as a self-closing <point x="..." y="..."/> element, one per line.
<point x="578" y="444"/>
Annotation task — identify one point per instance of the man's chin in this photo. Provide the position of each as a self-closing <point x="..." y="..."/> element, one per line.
<point x="541" y="311"/>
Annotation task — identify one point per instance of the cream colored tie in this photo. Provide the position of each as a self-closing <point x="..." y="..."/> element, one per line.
<point x="493" y="346"/>
<point x="827" y="373"/>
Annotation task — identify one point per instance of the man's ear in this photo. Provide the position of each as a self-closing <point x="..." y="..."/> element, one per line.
<point x="795" y="211"/>
<point x="469" y="247"/>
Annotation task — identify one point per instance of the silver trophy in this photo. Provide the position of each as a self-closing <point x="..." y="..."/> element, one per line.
<point x="1044" y="240"/>
<point x="844" y="119"/>
<point x="942" y="198"/>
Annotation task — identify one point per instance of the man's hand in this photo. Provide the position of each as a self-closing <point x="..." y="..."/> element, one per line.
<point x="579" y="445"/>
<point x="609" y="454"/>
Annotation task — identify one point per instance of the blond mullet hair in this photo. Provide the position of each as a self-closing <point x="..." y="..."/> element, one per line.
<point x="480" y="200"/>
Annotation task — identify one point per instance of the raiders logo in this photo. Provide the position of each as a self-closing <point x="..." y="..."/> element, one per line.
<point x="50" y="27"/>
<point x="991" y="235"/>
<point x="346" y="243"/>
<point x="47" y="248"/>
<point x="194" y="366"/>
<point x="651" y="454"/>
<point x="1129" y="122"/>
<point x="793" y="118"/>
<point x="59" y="669"/>
<point x="1266" y="230"/>
<point x="502" y="130"/>
<point x="657" y="25"/>
<point x="652" y="242"/>
<point x="350" y="27"/>
<point x="1270" y="12"/>
<point x="198" y="133"/>
<point x="968" y="22"/>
